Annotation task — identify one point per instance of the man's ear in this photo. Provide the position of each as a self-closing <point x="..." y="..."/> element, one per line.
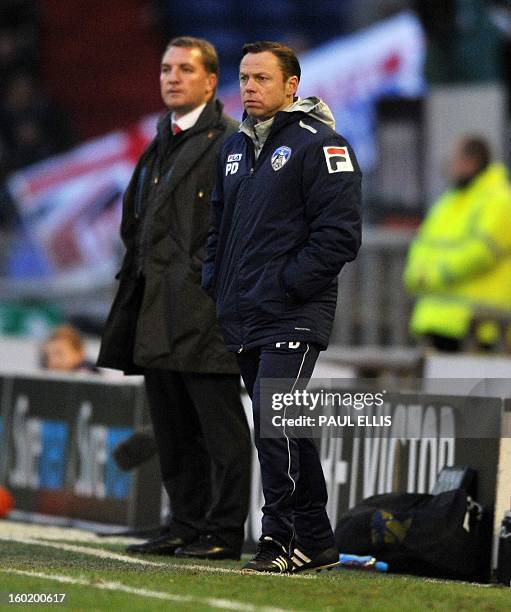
<point x="211" y="84"/>
<point x="291" y="86"/>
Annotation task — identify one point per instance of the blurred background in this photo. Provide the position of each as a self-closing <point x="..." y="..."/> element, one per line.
<point x="79" y="98"/>
<point x="79" y="101"/>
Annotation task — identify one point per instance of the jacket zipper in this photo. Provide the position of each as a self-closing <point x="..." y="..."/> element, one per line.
<point x="256" y="162"/>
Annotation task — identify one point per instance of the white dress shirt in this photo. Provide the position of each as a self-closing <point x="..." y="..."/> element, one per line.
<point x="190" y="119"/>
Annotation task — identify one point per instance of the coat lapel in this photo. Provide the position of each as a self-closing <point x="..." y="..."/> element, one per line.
<point x="199" y="139"/>
<point x="202" y="136"/>
<point x="196" y="144"/>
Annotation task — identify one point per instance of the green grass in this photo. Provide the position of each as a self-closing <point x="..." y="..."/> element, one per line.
<point x="335" y="590"/>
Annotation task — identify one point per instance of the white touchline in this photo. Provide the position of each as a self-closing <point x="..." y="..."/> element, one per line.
<point x="107" y="554"/>
<point x="85" y="550"/>
<point x="52" y="532"/>
<point x="224" y="604"/>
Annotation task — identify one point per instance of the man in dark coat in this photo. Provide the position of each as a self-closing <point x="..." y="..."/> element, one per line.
<point x="163" y="325"/>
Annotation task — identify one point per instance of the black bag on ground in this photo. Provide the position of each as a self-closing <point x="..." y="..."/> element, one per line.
<point x="443" y="536"/>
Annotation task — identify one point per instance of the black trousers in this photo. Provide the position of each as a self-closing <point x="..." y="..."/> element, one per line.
<point x="204" y="449"/>
<point x="294" y="486"/>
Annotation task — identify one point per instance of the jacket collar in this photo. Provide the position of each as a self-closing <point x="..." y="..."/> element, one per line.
<point x="495" y="174"/>
<point x="197" y="141"/>
<point x="211" y="116"/>
<point x="311" y="107"/>
<point x="185" y="122"/>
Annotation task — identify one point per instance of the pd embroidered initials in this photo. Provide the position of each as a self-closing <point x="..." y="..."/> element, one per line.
<point x="231" y="168"/>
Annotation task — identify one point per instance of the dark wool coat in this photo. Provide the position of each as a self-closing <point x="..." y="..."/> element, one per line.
<point x="166" y="320"/>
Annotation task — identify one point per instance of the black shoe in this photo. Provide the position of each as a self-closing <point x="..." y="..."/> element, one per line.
<point x="166" y="544"/>
<point x="270" y="557"/>
<point x="209" y="547"/>
<point x="326" y="559"/>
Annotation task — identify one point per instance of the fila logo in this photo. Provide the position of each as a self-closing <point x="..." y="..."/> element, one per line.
<point x="231" y="168"/>
<point x="337" y="159"/>
<point x="234" y="157"/>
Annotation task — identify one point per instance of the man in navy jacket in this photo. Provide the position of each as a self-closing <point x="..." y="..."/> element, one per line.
<point x="285" y="219"/>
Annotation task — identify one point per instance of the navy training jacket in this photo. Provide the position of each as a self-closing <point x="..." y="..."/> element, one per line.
<point x="282" y="227"/>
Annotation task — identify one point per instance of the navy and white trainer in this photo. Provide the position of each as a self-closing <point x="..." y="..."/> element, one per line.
<point x="270" y="556"/>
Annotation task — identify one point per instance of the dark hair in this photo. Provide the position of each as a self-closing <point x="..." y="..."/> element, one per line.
<point x="208" y="51"/>
<point x="478" y="149"/>
<point x="288" y="61"/>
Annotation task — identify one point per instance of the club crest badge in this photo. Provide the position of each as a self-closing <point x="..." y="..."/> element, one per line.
<point x="280" y="157"/>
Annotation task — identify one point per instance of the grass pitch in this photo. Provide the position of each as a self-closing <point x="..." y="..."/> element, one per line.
<point x="95" y="574"/>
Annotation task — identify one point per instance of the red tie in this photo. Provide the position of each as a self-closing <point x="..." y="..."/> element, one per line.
<point x="176" y="129"/>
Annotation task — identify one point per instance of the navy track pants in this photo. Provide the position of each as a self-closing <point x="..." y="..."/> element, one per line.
<point x="294" y="486"/>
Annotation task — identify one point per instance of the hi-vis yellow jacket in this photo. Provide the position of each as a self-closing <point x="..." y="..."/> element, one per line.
<point x="461" y="257"/>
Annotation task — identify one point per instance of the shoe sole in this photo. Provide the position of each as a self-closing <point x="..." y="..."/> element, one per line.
<point x="318" y="568"/>
<point x="151" y="552"/>
<point x="246" y="570"/>
<point x="207" y="557"/>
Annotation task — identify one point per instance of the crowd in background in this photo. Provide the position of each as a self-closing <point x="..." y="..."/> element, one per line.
<point x="466" y="42"/>
<point x="31" y="126"/>
<point x="228" y="24"/>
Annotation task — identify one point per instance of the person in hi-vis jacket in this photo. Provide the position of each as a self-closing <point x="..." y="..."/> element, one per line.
<point x="460" y="260"/>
